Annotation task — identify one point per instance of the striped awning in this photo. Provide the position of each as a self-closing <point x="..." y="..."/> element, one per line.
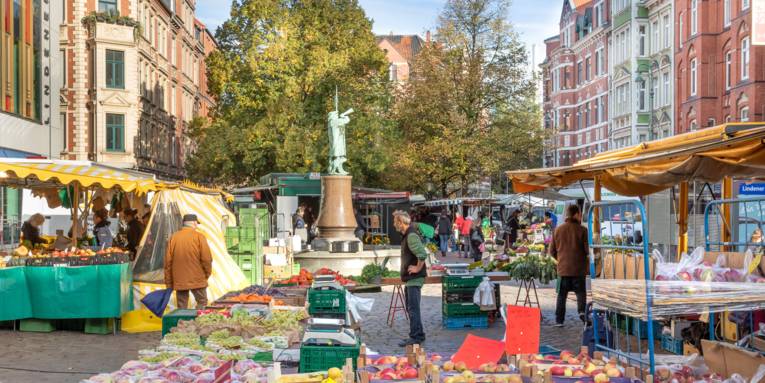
<point x="31" y="173"/>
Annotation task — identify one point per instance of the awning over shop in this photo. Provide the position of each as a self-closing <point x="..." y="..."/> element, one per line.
<point x="33" y="173"/>
<point x="708" y="155"/>
<point x="458" y="201"/>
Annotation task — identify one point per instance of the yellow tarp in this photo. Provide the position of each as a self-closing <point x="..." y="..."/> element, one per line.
<point x="708" y="155"/>
<point x="30" y="173"/>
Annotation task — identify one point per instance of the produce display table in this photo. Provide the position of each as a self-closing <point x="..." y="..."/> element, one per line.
<point x="47" y="292"/>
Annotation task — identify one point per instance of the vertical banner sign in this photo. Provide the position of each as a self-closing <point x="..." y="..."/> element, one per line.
<point x="758" y="22"/>
<point x="522" y="332"/>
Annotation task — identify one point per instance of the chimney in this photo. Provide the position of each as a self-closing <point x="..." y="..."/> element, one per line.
<point x="427" y="36"/>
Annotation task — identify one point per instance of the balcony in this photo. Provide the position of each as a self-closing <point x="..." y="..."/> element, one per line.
<point x="111" y="27"/>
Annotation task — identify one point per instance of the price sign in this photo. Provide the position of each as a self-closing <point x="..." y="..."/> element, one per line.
<point x="522" y="331"/>
<point x="476" y="351"/>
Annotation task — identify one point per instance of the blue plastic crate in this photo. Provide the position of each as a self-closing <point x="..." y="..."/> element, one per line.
<point x="545" y="350"/>
<point x="642" y="326"/>
<point x="672" y="345"/>
<point x="462" y="322"/>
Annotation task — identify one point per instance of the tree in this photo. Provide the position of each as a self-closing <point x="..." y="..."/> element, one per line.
<point x="274" y="77"/>
<point x="468" y="110"/>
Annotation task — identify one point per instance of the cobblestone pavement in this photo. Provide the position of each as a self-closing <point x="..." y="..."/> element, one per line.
<point x="69" y="353"/>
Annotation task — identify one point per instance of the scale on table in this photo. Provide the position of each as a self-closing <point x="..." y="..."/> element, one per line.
<point x="457" y="269"/>
<point x="328" y="332"/>
<point x="326" y="281"/>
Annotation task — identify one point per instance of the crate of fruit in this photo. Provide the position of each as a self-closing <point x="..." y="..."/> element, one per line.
<point x="455" y="283"/>
<point x="321" y="358"/>
<point x="461" y="309"/>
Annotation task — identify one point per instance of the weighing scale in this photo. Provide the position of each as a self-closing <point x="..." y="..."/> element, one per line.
<point x="457" y="269"/>
<point x="328" y="332"/>
<point x="326" y="281"/>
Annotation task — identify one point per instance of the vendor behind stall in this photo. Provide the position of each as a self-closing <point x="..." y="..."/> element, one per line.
<point x="31" y="229"/>
<point x="134" y="230"/>
<point x="101" y="231"/>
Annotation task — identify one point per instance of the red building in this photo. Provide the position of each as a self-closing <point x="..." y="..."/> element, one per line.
<point x="575" y="83"/>
<point x="719" y="73"/>
<point x="205" y="37"/>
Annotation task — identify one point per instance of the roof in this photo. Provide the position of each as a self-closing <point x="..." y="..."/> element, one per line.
<point x="408" y="46"/>
<point x="206" y="30"/>
<point x="579" y="3"/>
<point x="709" y="155"/>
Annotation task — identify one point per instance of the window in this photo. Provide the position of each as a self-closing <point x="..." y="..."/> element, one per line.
<point x="655" y="37"/>
<point x="587" y="68"/>
<point x="579" y="77"/>
<point x="744" y="114"/>
<point x="115" y="132"/>
<point x="598" y="14"/>
<point x="597" y="62"/>
<point x="63" y="68"/>
<point x="667" y="31"/>
<point x="726" y="12"/>
<point x="108" y="6"/>
<point x="728" y="68"/>
<point x="641" y="95"/>
<point x="655" y="92"/>
<point x="692" y="126"/>
<point x="693" y="77"/>
<point x="744" y="4"/>
<point x="745" y="58"/>
<point x="641" y="40"/>
<point x="694" y="16"/>
<point x="667" y="93"/>
<point x="625" y="46"/>
<point x="680" y="30"/>
<point x="115" y="69"/>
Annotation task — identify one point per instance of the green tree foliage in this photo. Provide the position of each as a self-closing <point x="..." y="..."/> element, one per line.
<point x="274" y="77"/>
<point x="469" y="109"/>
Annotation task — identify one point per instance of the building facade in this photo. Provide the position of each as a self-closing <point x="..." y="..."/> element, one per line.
<point x="576" y="83"/>
<point x="718" y="69"/>
<point x="132" y="82"/>
<point x="400" y="51"/>
<point x="209" y="45"/>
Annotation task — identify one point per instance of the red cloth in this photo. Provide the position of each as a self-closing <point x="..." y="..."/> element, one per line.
<point x="467" y="223"/>
<point x="458" y="222"/>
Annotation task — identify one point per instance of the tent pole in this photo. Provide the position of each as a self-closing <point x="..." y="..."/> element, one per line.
<point x="727" y="193"/>
<point x="75" y="209"/>
<point x="596" y="211"/>
<point x="682" y="222"/>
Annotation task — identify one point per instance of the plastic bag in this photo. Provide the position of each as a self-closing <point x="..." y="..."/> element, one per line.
<point x="358" y="305"/>
<point x="484" y="295"/>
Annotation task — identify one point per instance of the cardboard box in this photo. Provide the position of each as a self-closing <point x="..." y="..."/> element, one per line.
<point x="758" y="342"/>
<point x="277" y="272"/>
<point x="631" y="262"/>
<point x="622" y="266"/>
<point x="727" y="359"/>
<point x="689" y="349"/>
<point x="733" y="259"/>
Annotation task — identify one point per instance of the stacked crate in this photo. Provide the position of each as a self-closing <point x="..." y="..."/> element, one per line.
<point x="245" y="242"/>
<point x="458" y="308"/>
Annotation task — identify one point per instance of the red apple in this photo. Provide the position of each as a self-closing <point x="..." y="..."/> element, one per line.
<point x="579" y="373"/>
<point x="409" y="373"/>
<point x="685" y="276"/>
<point x="557" y="370"/>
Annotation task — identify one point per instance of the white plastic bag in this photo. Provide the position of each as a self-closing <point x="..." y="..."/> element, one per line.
<point x="358" y="305"/>
<point x="484" y="295"/>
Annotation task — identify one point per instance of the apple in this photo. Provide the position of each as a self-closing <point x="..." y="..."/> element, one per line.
<point x="448" y="365"/>
<point x="580" y="373"/>
<point x="460" y="366"/>
<point x="565" y="354"/>
<point x="572" y="361"/>
<point x="409" y="373"/>
<point x="540" y="357"/>
<point x="467" y="374"/>
<point x="613" y="372"/>
<point x="685" y="276"/>
<point x="596" y="372"/>
<point x="663" y="373"/>
<point x="550" y="357"/>
<point x="557" y="370"/>
<point x="568" y="372"/>
<point x="449" y="379"/>
<point x="600" y="378"/>
<point x="435" y="358"/>
<point x="514" y="378"/>
<point x="590" y="368"/>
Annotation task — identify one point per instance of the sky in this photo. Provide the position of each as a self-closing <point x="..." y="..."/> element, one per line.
<point x="534" y="20"/>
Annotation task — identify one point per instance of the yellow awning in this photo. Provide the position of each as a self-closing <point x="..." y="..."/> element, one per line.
<point x="735" y="150"/>
<point x="33" y="173"/>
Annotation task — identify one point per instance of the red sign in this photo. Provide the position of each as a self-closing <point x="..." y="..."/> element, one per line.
<point x="522" y="332"/>
<point x="476" y="351"/>
<point x="758" y="22"/>
<point x="223" y="373"/>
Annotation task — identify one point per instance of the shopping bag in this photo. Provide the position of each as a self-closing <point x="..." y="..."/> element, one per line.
<point x="156" y="301"/>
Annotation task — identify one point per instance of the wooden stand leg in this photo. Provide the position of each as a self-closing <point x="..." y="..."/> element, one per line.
<point x="396" y="304"/>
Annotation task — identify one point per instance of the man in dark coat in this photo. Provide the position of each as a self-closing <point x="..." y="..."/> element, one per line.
<point x="569" y="247"/>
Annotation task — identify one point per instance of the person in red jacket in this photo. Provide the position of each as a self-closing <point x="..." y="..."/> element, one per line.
<point x="569" y="247"/>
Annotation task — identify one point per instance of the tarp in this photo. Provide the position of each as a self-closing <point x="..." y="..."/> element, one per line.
<point x="708" y="155"/>
<point x="168" y="207"/>
<point x="35" y="173"/>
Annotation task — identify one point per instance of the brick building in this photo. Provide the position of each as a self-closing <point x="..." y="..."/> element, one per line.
<point x="718" y="71"/>
<point x="576" y="83"/>
<point x="400" y="51"/>
<point x="206" y="100"/>
<point x="132" y="82"/>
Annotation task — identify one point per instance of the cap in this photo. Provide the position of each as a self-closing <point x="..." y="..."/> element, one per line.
<point x="190" y="218"/>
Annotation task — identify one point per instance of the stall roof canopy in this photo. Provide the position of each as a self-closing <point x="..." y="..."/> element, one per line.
<point x="708" y="155"/>
<point x="458" y="201"/>
<point x="35" y="173"/>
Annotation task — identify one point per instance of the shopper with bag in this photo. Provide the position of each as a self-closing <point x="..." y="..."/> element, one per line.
<point x="476" y="242"/>
<point x="569" y="247"/>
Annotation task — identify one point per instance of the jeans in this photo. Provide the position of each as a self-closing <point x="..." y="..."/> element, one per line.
<point x="443" y="240"/>
<point x="465" y="239"/>
<point x="567" y="284"/>
<point x="413" y="294"/>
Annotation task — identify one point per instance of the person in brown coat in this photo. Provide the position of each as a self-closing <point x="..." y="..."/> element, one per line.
<point x="569" y="247"/>
<point x="188" y="263"/>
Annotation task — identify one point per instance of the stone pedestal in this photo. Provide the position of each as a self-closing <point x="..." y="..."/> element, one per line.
<point x="336" y="220"/>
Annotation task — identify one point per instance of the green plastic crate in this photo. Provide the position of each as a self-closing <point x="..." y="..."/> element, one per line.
<point x="37" y="325"/>
<point x="232" y="237"/>
<point x="455" y="283"/>
<point x="172" y="318"/>
<point x="322" y="358"/>
<point x="265" y="356"/>
<point x="101" y="326"/>
<point x="295" y="268"/>
<point x="461" y="309"/>
<point x="251" y="247"/>
<point x="247" y="234"/>
<point x="246" y="262"/>
<point x="326" y="301"/>
<point x="249" y="217"/>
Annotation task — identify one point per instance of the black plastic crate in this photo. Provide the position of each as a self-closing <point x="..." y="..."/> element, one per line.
<point x="81" y="261"/>
<point x="111" y="258"/>
<point x="48" y="261"/>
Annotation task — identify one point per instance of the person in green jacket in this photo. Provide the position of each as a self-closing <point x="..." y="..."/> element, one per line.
<point x="413" y="272"/>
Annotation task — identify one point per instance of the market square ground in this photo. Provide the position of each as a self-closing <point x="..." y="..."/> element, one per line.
<point x="64" y="356"/>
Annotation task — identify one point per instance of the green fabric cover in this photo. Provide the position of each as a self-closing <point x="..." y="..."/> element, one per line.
<point x="101" y="291"/>
<point x="14" y="294"/>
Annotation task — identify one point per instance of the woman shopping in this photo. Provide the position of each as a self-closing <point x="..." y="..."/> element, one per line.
<point x="31" y="229"/>
<point x="101" y="231"/>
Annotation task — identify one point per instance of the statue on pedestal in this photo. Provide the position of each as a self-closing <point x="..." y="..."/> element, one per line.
<point x="336" y="124"/>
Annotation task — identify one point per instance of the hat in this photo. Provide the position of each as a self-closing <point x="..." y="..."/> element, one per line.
<point x="190" y="218"/>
